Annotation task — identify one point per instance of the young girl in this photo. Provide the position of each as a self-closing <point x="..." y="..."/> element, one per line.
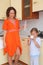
<point x="34" y="41"/>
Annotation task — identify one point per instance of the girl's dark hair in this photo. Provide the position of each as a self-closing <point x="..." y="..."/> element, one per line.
<point x="34" y="29"/>
<point x="9" y="9"/>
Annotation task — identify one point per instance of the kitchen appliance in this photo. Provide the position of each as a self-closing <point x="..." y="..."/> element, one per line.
<point x="40" y="34"/>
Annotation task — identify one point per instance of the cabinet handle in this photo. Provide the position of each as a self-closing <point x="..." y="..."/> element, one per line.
<point x="26" y="6"/>
<point x="35" y="2"/>
<point x="23" y="40"/>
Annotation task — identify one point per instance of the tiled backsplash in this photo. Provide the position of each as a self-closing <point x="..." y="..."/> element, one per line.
<point x="38" y="23"/>
<point x="28" y="24"/>
<point x="1" y="23"/>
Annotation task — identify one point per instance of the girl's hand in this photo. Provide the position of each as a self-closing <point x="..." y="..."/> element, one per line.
<point x="34" y="39"/>
<point x="28" y="41"/>
<point x="36" y="43"/>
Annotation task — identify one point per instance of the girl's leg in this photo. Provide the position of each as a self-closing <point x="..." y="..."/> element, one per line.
<point x="17" y="56"/>
<point x="36" y="60"/>
<point x="31" y="60"/>
<point x="10" y="60"/>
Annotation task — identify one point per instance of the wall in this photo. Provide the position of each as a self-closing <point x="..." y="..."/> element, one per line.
<point x="38" y="23"/>
<point x="1" y="23"/>
<point x="29" y="23"/>
<point x="32" y="23"/>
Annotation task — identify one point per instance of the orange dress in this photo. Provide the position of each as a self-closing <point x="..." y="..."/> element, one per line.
<point x="12" y="38"/>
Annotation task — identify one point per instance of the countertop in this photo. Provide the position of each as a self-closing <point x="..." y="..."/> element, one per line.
<point x="25" y="52"/>
<point x="1" y="35"/>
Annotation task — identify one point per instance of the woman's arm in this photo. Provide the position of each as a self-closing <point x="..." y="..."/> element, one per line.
<point x="4" y="38"/>
<point x="21" y="28"/>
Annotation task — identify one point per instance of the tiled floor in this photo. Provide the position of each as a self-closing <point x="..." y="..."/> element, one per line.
<point x="13" y="64"/>
<point x="19" y="63"/>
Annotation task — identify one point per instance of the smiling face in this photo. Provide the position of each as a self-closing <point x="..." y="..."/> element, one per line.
<point x="12" y="14"/>
<point x="34" y="33"/>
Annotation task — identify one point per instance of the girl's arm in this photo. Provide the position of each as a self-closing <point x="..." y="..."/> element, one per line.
<point x="28" y="41"/>
<point x="36" y="43"/>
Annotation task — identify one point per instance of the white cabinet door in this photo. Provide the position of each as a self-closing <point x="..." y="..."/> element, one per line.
<point x="17" y="4"/>
<point x="4" y="4"/>
<point x="37" y="5"/>
<point x="41" y="54"/>
<point x="25" y="52"/>
<point x="3" y="58"/>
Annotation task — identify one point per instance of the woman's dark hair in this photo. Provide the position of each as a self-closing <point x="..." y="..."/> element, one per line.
<point x="9" y="9"/>
<point x="34" y="29"/>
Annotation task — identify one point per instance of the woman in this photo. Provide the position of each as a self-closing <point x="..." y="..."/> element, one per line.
<point x="12" y="43"/>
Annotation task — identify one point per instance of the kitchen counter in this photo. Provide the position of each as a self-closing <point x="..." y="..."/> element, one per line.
<point x="1" y="35"/>
<point x="25" y="57"/>
<point x="25" y="52"/>
<point x="1" y="42"/>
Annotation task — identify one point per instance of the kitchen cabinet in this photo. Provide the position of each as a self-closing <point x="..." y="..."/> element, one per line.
<point x="41" y="53"/>
<point x="3" y="58"/>
<point x="27" y="9"/>
<point x="17" y="4"/>
<point x="4" y="4"/>
<point x="25" y="57"/>
<point x="37" y="5"/>
<point x="24" y="9"/>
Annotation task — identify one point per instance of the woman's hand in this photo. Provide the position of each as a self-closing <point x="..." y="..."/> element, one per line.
<point x="4" y="43"/>
<point x="21" y="28"/>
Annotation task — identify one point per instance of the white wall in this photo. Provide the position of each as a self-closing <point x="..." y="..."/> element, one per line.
<point x="38" y="23"/>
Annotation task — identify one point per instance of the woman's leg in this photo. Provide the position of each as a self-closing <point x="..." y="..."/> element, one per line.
<point x="17" y="56"/>
<point x="10" y="60"/>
